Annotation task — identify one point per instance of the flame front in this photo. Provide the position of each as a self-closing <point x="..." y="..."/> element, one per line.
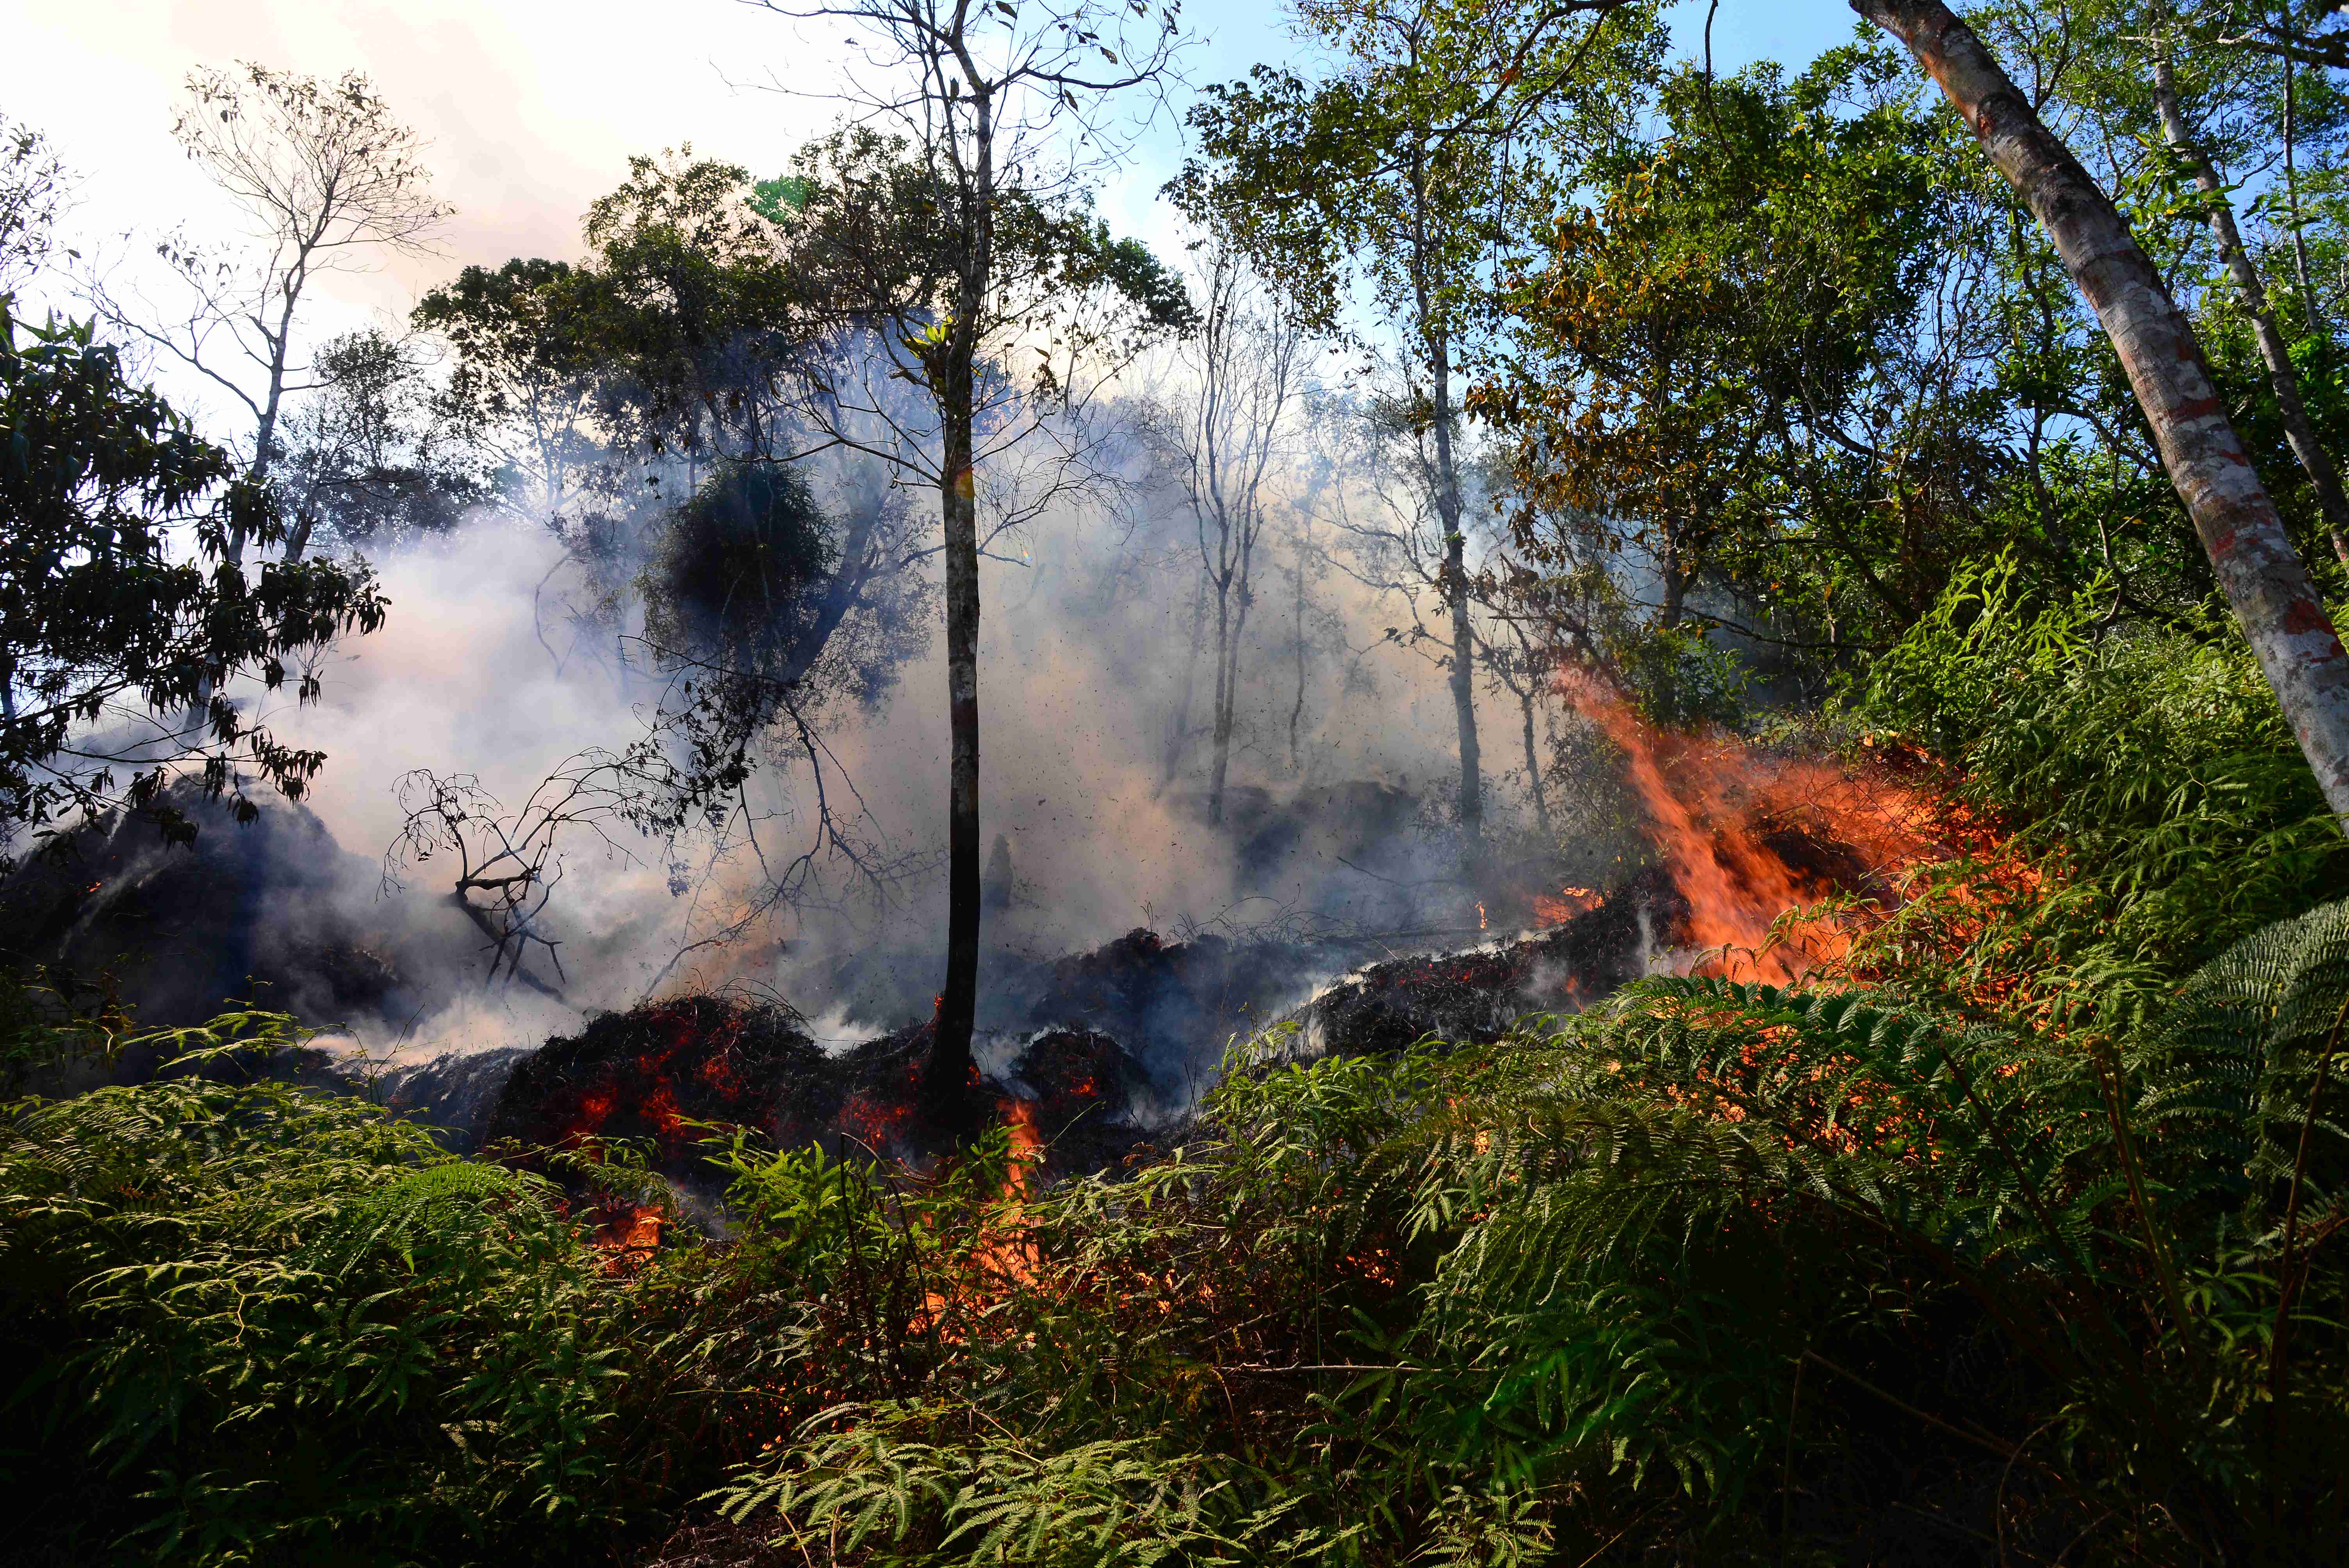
<point x="1027" y="1149"/>
<point x="1706" y="796"/>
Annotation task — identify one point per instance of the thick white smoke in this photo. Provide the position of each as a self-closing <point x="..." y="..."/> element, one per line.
<point x="1086" y="630"/>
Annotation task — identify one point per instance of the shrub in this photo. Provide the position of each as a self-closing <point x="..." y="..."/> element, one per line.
<point x="253" y="1324"/>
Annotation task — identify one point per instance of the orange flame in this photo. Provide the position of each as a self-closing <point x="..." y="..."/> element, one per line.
<point x="1707" y="796"/>
<point x="1557" y="909"/>
<point x="629" y="1235"/>
<point x="1006" y="1252"/>
<point x="1026" y="1148"/>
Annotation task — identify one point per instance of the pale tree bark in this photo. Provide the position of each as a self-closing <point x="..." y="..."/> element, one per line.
<point x="1178" y="728"/>
<point x="1305" y="549"/>
<point x="2254" y="295"/>
<point x="1448" y="510"/>
<point x="1230" y="432"/>
<point x="1296" y="708"/>
<point x="1455" y="602"/>
<point x="1231" y="629"/>
<point x="2264" y="580"/>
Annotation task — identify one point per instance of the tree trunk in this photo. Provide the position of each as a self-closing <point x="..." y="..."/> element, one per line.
<point x="1533" y="763"/>
<point x="1221" y="747"/>
<point x="265" y="437"/>
<point x="1455" y="600"/>
<point x="2263" y="578"/>
<point x="1297" y="709"/>
<point x="1438" y="342"/>
<point x="1178" y="733"/>
<point x="947" y="1081"/>
<point x="2282" y="378"/>
<point x="1227" y="677"/>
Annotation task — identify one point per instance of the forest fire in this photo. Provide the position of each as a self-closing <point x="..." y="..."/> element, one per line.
<point x="1558" y="908"/>
<point x="539" y="1027"/>
<point x="674" y="1073"/>
<point x="628" y="1234"/>
<point x="1749" y="837"/>
<point x="1026" y="1148"/>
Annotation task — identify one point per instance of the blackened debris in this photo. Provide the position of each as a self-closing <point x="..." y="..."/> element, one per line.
<point x="664" y="1070"/>
<point x="254" y="912"/>
<point x="1172" y="1002"/>
<point x="1085" y="1085"/>
<point x="1475" y="996"/>
<point x="656" y="1071"/>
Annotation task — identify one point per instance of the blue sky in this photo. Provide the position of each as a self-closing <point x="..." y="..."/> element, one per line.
<point x="1235" y="34"/>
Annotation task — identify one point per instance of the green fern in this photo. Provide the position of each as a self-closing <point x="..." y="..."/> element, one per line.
<point x="452" y="1201"/>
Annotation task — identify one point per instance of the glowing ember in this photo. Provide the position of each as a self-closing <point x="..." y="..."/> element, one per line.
<point x="628" y="1237"/>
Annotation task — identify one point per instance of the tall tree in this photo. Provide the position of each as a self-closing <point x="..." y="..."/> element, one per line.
<point x="330" y="179"/>
<point x="1231" y="428"/>
<point x="696" y="315"/>
<point x="35" y="188"/>
<point x="524" y="383"/>
<point x="121" y="602"/>
<point x="1756" y="366"/>
<point x="2263" y="578"/>
<point x="366" y="457"/>
<point x="2250" y="290"/>
<point x="1404" y="166"/>
<point x="1001" y="110"/>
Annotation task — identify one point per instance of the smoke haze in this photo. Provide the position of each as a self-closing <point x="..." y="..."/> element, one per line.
<point x="1086" y="632"/>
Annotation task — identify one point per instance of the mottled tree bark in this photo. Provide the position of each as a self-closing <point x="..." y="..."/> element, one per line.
<point x="2262" y="576"/>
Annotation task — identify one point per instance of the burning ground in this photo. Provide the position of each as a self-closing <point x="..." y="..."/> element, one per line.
<point x="1092" y="1048"/>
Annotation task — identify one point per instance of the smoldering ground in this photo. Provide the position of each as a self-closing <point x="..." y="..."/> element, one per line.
<point x="501" y="660"/>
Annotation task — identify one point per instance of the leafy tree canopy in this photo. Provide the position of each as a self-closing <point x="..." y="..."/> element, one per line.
<point x="126" y="621"/>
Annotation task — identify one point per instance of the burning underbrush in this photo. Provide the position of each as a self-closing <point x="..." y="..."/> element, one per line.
<point x="668" y="1075"/>
<point x="1749" y="834"/>
<point x="1092" y="1050"/>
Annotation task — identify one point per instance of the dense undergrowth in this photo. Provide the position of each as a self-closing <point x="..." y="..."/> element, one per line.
<point x="2014" y="1239"/>
<point x="2162" y="807"/>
